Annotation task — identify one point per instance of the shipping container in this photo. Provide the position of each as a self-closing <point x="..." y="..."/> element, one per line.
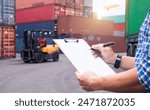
<point x="87" y="12"/>
<point x="119" y="29"/>
<point x="20" y="28"/>
<point x="69" y="11"/>
<point x="79" y="4"/>
<point x="35" y="14"/>
<point x="116" y="19"/>
<point x="78" y="25"/>
<point x="22" y="4"/>
<point x="119" y="26"/>
<point x="78" y="12"/>
<point x="88" y="3"/>
<point x="7" y="42"/>
<point x="135" y="14"/>
<point x="7" y="12"/>
<point x="70" y="3"/>
<point x="47" y="12"/>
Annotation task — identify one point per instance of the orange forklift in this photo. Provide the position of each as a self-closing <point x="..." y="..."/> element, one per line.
<point x="35" y="48"/>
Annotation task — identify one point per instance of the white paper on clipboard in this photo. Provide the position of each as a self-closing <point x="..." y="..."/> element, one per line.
<point x="79" y="53"/>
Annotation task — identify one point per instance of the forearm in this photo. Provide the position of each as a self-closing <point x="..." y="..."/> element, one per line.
<point x="127" y="62"/>
<point x="121" y="82"/>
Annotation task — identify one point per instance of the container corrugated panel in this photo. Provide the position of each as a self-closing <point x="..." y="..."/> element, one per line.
<point x="69" y="11"/>
<point x="119" y="26"/>
<point x="87" y="12"/>
<point x="7" y="42"/>
<point x="35" y="14"/>
<point x="70" y="3"/>
<point x="78" y="25"/>
<point x="22" y="4"/>
<point x="78" y="12"/>
<point x="7" y="12"/>
<point x="119" y="29"/>
<point x="88" y="3"/>
<point x="59" y="11"/>
<point x="44" y="13"/>
<point x="116" y="19"/>
<point x="135" y="14"/>
<point x="79" y="4"/>
<point x="20" y="28"/>
<point x="120" y="33"/>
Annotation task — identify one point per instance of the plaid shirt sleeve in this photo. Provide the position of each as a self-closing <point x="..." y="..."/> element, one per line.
<point x="142" y="58"/>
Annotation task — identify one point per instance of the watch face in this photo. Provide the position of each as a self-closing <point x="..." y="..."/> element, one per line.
<point x="118" y="61"/>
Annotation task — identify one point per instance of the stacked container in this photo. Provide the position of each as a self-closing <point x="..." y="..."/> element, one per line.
<point x="7" y="28"/>
<point x="92" y="30"/>
<point x="88" y="8"/>
<point x="119" y="31"/>
<point x="28" y="11"/>
<point x="44" y="14"/>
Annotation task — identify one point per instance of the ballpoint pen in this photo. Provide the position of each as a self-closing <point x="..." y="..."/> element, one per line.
<point x="105" y="45"/>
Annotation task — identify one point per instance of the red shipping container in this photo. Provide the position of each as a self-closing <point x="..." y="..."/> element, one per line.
<point x="70" y="3"/>
<point x="79" y="4"/>
<point x="7" y="36"/>
<point x="43" y="13"/>
<point x="80" y="25"/>
<point x="69" y="11"/>
<point x="119" y="26"/>
<point x="21" y="4"/>
<point x="78" y="12"/>
<point x="35" y="14"/>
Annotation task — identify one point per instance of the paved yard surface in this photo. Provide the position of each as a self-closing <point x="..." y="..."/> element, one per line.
<point x="47" y="77"/>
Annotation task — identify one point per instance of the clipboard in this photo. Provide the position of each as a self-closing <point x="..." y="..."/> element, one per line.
<point x="79" y="54"/>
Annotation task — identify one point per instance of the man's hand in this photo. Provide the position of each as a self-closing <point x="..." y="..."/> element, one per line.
<point x="106" y="53"/>
<point x="87" y="80"/>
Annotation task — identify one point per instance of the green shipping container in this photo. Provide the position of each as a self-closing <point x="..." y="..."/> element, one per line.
<point x="136" y="11"/>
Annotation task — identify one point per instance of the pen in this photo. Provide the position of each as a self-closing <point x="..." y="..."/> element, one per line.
<point x="105" y="45"/>
<point x="108" y="44"/>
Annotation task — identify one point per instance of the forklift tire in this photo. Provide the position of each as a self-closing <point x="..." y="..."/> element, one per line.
<point x="56" y="56"/>
<point x="38" y="57"/>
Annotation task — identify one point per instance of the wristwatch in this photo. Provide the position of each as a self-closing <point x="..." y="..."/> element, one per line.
<point x="118" y="61"/>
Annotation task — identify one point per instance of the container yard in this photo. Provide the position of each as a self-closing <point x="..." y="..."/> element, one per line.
<point x="59" y="19"/>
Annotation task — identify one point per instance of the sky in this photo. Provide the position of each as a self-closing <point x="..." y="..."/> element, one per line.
<point x="108" y="7"/>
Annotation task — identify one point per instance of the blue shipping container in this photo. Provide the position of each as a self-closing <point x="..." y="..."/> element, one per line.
<point x="20" y="28"/>
<point x="7" y="12"/>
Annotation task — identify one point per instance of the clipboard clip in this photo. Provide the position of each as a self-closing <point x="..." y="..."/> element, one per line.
<point x="71" y="40"/>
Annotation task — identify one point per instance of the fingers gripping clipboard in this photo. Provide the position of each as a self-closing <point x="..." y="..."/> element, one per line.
<point x="79" y="53"/>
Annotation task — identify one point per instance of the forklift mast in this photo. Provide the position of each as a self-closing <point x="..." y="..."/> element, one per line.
<point x="28" y="40"/>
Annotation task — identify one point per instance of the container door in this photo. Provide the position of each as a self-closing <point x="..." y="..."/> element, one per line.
<point x="0" y="42"/>
<point x="8" y="42"/>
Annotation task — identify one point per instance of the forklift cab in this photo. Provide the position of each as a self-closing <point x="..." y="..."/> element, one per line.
<point x="34" y="51"/>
